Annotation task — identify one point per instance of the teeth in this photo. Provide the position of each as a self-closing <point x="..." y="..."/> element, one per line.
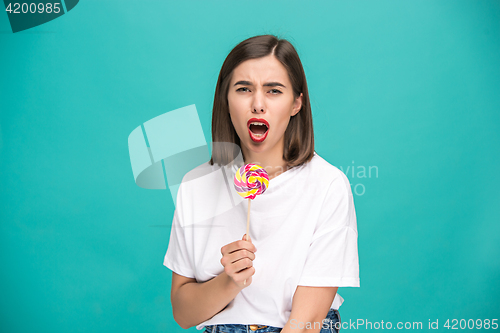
<point x="257" y="123"/>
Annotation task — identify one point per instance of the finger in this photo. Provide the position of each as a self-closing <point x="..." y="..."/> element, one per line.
<point x="246" y="274"/>
<point x="235" y="268"/>
<point x="236" y="246"/>
<point x="243" y="244"/>
<point x="232" y="247"/>
<point x="242" y="264"/>
<point x="231" y="258"/>
<point x="240" y="254"/>
<point x="239" y="245"/>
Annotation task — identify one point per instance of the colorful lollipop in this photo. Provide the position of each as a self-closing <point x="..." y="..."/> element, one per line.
<point x="249" y="181"/>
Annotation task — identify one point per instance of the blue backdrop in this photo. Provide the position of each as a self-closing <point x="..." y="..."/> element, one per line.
<point x="409" y="90"/>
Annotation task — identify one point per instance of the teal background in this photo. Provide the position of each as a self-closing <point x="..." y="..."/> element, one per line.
<point x="410" y="87"/>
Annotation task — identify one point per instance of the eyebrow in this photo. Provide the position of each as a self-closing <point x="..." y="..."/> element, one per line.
<point x="267" y="84"/>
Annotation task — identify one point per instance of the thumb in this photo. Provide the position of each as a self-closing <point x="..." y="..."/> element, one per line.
<point x="249" y="238"/>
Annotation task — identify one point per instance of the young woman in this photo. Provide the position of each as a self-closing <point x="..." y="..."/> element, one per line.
<point x="303" y="243"/>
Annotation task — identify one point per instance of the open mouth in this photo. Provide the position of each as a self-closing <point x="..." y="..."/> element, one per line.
<point x="258" y="129"/>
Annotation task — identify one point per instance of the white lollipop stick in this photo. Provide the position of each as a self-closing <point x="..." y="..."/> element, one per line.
<point x="248" y="228"/>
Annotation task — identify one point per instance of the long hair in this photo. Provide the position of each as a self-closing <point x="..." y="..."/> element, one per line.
<point x="299" y="135"/>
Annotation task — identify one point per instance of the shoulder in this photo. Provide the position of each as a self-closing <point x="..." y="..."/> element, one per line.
<point x="338" y="199"/>
<point x="205" y="178"/>
<point x="199" y="176"/>
<point x="198" y="172"/>
<point x="192" y="181"/>
<point x="322" y="174"/>
<point x="321" y="171"/>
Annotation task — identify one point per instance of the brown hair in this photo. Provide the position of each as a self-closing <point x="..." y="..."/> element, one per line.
<point x="299" y="135"/>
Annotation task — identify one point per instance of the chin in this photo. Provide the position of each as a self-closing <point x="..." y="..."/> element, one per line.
<point x="257" y="147"/>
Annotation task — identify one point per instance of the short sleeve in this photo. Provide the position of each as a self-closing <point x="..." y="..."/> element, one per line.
<point x="177" y="256"/>
<point x="332" y="258"/>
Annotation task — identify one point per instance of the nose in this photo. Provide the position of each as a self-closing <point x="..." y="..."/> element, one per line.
<point x="258" y="103"/>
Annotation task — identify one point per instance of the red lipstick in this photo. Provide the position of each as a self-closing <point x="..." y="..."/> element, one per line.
<point x="261" y="128"/>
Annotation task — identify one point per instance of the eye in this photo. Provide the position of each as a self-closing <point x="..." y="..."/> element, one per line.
<point x="275" y="91"/>
<point x="240" y="89"/>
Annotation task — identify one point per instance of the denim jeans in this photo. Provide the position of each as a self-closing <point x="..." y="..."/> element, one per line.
<point x="330" y="324"/>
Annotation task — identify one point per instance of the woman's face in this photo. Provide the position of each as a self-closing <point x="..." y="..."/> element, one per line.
<point x="261" y="92"/>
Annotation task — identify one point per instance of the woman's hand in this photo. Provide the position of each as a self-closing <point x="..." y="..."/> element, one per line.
<point x="237" y="259"/>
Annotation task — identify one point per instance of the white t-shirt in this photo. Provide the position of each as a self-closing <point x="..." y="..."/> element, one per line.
<point x="303" y="227"/>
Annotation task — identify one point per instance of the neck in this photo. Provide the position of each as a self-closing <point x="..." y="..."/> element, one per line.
<point x="272" y="160"/>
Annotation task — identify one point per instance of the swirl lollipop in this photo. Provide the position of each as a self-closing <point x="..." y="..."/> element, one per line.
<point x="249" y="181"/>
